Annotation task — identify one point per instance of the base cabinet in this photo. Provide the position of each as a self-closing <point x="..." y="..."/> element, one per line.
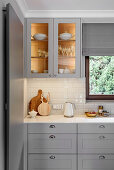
<point x="96" y="162"/>
<point x="96" y="143"/>
<point x="52" y="161"/>
<point x="69" y="146"/>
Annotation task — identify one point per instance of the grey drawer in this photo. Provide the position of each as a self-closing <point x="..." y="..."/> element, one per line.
<point x="96" y="128"/>
<point x="52" y="143"/>
<point x="96" y="143"/>
<point x="96" y="162"/>
<point x="52" y="162"/>
<point x="52" y="128"/>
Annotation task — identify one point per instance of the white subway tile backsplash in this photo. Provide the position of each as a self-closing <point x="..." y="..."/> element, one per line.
<point x="62" y="90"/>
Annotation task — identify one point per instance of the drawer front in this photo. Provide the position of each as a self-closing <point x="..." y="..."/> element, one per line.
<point x="96" y="128"/>
<point x="96" y="143"/>
<point x="52" y="143"/>
<point x="96" y="162"/>
<point x="52" y="128"/>
<point x="54" y="162"/>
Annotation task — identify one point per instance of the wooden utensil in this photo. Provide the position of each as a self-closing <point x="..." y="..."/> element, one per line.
<point x="36" y="101"/>
<point x="44" y="108"/>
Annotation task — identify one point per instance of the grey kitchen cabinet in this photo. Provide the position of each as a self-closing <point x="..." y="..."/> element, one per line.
<point x="53" y="56"/>
<point x="67" y="51"/>
<point x="52" y="128"/>
<point x="96" y="143"/>
<point x="96" y="128"/>
<point x="96" y="162"/>
<point x="72" y="146"/>
<point x="39" y="51"/>
<point x="52" y="143"/>
<point x="51" y="146"/>
<point x="52" y="161"/>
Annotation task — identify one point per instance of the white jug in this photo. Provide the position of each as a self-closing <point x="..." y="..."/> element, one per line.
<point x="68" y="110"/>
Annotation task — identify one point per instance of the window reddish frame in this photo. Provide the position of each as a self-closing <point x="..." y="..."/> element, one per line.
<point x="93" y="97"/>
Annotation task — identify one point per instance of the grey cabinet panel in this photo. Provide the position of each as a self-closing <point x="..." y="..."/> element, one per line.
<point x="96" y="128"/>
<point x="50" y="47"/>
<point x="77" y="47"/>
<point x="95" y="162"/>
<point x="52" y="143"/>
<point x="96" y="143"/>
<point x="52" y="128"/>
<point x="56" y="162"/>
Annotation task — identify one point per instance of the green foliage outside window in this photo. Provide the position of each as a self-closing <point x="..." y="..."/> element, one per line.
<point x="101" y="75"/>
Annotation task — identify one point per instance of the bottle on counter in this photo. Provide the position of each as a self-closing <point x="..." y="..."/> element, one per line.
<point x="100" y="110"/>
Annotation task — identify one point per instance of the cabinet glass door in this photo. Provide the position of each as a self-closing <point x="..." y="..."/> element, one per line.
<point x="39" y="48"/>
<point x="40" y="57"/>
<point x="67" y="50"/>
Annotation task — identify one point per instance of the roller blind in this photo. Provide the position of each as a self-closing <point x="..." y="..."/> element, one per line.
<point x="98" y="39"/>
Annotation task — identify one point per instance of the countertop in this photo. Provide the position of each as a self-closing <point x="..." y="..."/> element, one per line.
<point x="62" y="119"/>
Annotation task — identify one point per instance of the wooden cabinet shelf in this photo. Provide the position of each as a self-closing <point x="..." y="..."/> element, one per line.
<point x="65" y="57"/>
<point x="39" y="40"/>
<point x="66" y="40"/>
<point x="41" y="57"/>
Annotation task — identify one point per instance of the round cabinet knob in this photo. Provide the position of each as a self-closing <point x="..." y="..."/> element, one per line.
<point x="52" y="126"/>
<point x="101" y="126"/>
<point x="101" y="157"/>
<point x="102" y="137"/>
<point x="52" y="157"/>
<point x="52" y="137"/>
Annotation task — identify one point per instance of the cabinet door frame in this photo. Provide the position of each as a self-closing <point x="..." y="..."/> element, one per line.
<point x="50" y="48"/>
<point x="77" y="49"/>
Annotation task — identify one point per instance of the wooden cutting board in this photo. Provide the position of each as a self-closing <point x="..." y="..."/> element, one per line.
<point x="36" y="101"/>
<point x="44" y="108"/>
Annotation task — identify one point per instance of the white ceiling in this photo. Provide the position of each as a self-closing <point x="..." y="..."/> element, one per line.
<point x="69" y="4"/>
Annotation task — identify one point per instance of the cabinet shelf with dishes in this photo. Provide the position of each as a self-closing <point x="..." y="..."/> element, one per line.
<point x="52" y="45"/>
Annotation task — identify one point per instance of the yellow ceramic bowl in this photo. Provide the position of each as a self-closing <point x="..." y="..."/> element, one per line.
<point x="89" y="114"/>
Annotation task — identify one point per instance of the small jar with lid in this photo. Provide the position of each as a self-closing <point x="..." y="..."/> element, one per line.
<point x="100" y="110"/>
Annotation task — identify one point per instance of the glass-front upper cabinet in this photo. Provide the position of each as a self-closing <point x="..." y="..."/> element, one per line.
<point x="40" y="47"/>
<point x="67" y="47"/>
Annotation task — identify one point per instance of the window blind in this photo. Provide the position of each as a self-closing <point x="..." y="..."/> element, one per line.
<point x="98" y="39"/>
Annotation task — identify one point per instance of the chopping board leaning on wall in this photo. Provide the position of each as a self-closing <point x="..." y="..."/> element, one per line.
<point x="36" y="101"/>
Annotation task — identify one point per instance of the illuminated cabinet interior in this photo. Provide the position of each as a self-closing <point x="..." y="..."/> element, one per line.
<point x="39" y="48"/>
<point x="66" y="48"/>
<point x="53" y="48"/>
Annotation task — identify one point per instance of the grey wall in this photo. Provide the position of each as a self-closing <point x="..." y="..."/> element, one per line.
<point x="2" y="4"/>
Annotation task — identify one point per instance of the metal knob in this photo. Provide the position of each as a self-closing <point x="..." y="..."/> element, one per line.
<point x="102" y="157"/>
<point x="101" y="126"/>
<point x="102" y="137"/>
<point x="52" y="126"/>
<point x="52" y="137"/>
<point x="52" y="157"/>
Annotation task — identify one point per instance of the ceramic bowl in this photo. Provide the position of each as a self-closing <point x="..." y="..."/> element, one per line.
<point x="34" y="71"/>
<point x="90" y="114"/>
<point x="65" y="36"/>
<point x="40" y="36"/>
<point x="33" y="113"/>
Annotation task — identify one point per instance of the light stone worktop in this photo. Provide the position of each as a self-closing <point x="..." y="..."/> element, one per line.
<point x="62" y="119"/>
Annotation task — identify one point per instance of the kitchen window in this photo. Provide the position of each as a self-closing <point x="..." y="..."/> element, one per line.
<point x="99" y="77"/>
